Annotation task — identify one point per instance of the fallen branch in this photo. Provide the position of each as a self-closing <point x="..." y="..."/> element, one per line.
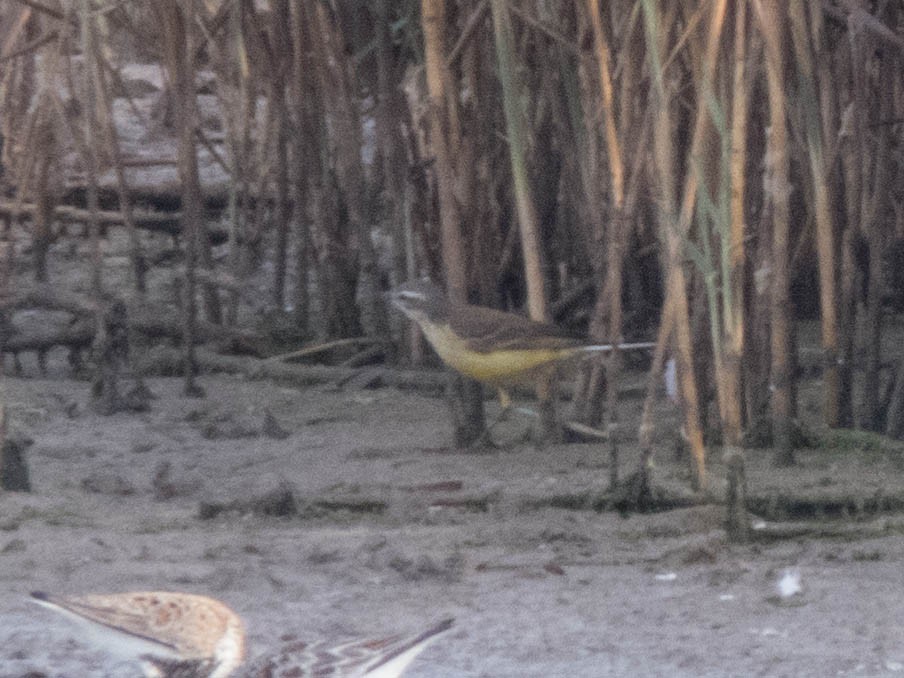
<point x="855" y="530"/>
<point x="161" y="360"/>
<point x="77" y="337"/>
<point x="169" y="222"/>
<point x="47" y="297"/>
<point x="150" y="321"/>
<point x="321" y="347"/>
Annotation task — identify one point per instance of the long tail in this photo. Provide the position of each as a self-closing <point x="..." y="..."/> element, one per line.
<point x="601" y="348"/>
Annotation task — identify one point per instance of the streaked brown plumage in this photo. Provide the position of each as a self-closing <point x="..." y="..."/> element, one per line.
<point x="173" y="634"/>
<point x="376" y="658"/>
<point x="183" y="635"/>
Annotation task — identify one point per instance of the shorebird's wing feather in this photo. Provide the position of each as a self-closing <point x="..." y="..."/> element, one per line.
<point x="381" y="658"/>
<point x="401" y="651"/>
<point x="93" y="609"/>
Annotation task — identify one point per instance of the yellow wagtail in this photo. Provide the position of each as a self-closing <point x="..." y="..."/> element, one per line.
<point x="494" y="347"/>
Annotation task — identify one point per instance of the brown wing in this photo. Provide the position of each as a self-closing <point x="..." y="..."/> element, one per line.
<point x="486" y="329"/>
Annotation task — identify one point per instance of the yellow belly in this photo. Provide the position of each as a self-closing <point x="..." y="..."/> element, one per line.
<point x="496" y="368"/>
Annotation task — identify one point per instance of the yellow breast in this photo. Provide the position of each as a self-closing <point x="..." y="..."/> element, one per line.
<point x="496" y="368"/>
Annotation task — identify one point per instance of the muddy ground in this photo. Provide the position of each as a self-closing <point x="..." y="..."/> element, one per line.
<point x="392" y="530"/>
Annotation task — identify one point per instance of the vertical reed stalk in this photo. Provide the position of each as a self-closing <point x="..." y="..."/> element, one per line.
<point x="733" y="256"/>
<point x="282" y="56"/>
<point x="443" y="138"/>
<point x="466" y="397"/>
<point x="673" y="229"/>
<point x="524" y="201"/>
<point x="178" y="21"/>
<point x="90" y="117"/>
<point x="825" y="223"/>
<point x="778" y="192"/>
<point x="610" y="296"/>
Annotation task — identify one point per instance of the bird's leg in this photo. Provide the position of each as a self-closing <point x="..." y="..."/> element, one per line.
<point x="485" y="440"/>
<point x="549" y="429"/>
<point x="465" y="399"/>
<point x="505" y="402"/>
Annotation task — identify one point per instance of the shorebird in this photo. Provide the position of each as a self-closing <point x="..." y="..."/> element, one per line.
<point x="378" y="658"/>
<point x="173" y="635"/>
<point x="181" y="635"/>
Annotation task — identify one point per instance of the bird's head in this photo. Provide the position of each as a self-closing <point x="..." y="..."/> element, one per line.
<point x="420" y="300"/>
